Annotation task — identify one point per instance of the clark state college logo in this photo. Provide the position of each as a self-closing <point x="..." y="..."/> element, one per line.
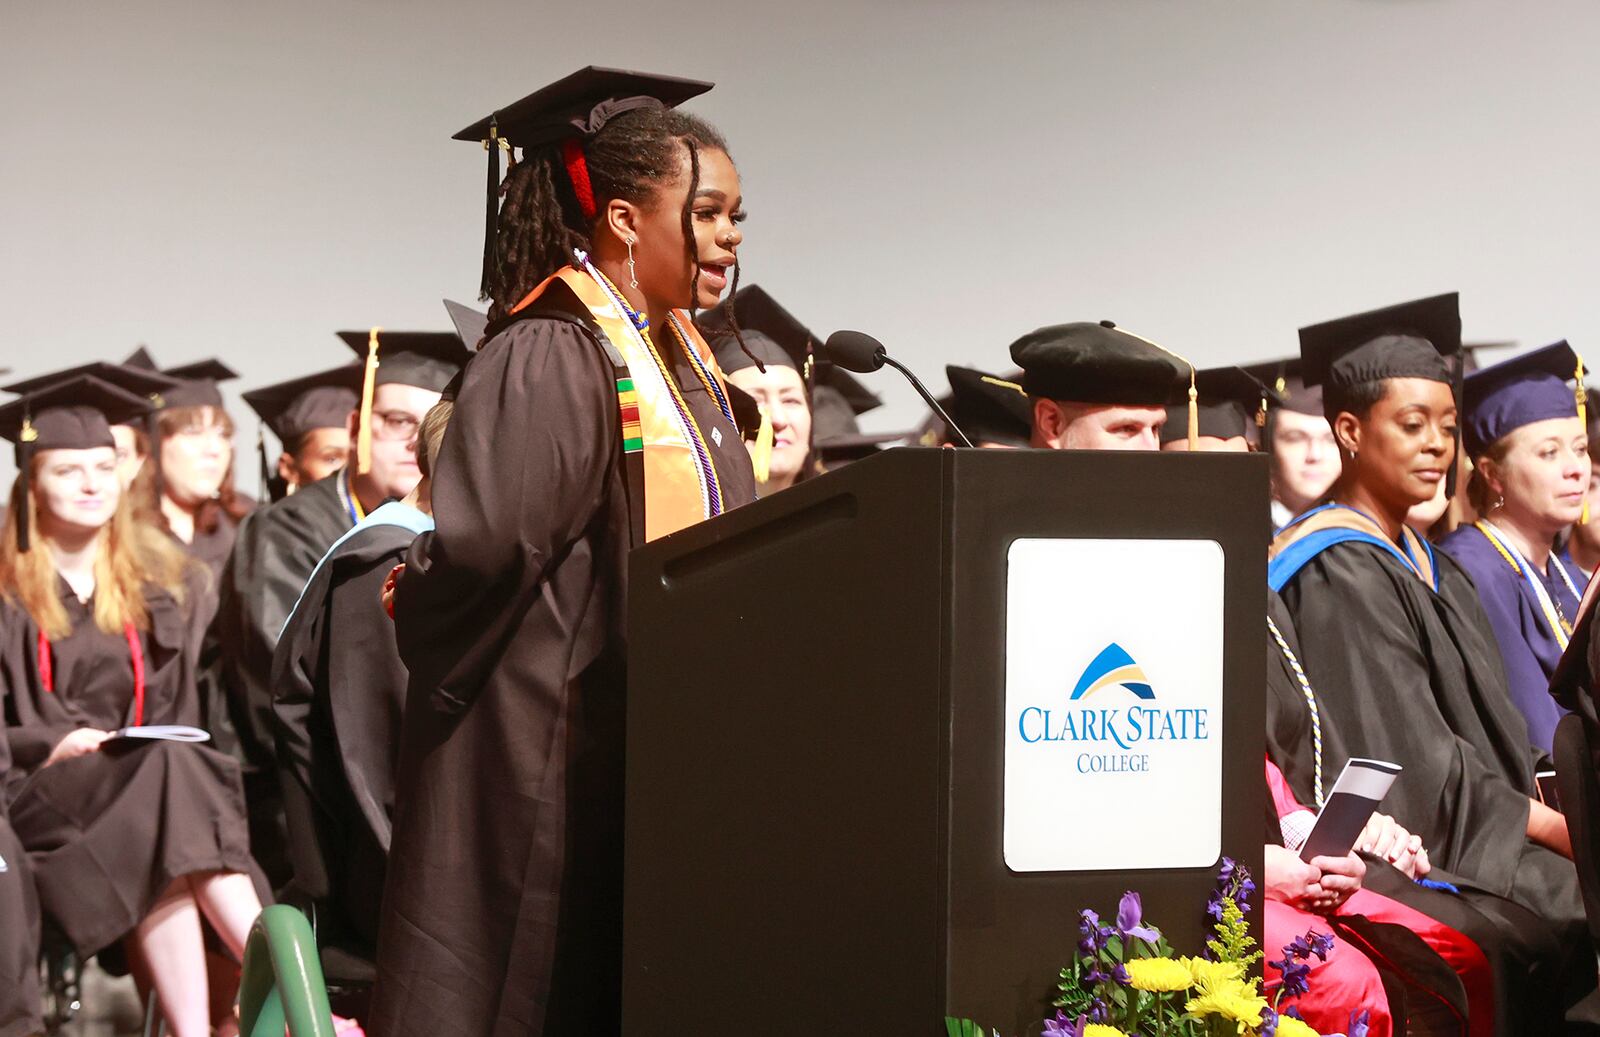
<point x="1110" y="739"/>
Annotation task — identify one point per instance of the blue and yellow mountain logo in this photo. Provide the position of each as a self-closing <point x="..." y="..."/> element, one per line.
<point x="1111" y="667"/>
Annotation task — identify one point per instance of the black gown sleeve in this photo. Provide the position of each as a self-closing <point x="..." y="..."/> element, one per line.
<point x="1363" y="646"/>
<point x="521" y="475"/>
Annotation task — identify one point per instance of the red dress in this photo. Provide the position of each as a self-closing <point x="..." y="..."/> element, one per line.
<point x="1349" y="979"/>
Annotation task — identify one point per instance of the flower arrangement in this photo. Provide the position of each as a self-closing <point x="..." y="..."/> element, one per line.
<point x="1124" y="980"/>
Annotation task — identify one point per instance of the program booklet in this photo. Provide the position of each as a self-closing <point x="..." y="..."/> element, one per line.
<point x="164" y="732"/>
<point x="1355" y="796"/>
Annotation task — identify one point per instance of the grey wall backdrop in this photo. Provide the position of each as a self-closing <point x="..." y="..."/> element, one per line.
<point x="241" y="179"/>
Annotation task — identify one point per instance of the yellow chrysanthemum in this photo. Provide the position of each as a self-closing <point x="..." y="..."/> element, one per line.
<point x="1232" y="1000"/>
<point x="1289" y="1026"/>
<point x="1102" y="1030"/>
<point x="1158" y="975"/>
<point x="1208" y="973"/>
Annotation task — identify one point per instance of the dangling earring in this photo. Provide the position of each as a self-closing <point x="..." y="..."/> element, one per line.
<point x="633" y="275"/>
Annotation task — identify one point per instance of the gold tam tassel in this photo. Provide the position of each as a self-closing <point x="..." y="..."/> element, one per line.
<point x="368" y="384"/>
<point x="761" y="453"/>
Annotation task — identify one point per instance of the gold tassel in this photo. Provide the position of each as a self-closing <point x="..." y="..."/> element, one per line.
<point x="1194" y="392"/>
<point x="761" y="453"/>
<point x="1194" y="413"/>
<point x="1583" y="420"/>
<point x="368" y="384"/>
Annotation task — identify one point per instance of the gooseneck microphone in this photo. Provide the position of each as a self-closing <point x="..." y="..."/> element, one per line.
<point x="859" y="352"/>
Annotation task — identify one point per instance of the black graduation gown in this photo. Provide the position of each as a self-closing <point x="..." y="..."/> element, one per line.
<point x="1522" y="951"/>
<point x="502" y="913"/>
<point x="338" y="693"/>
<point x="107" y="832"/>
<point x="19" y="925"/>
<point x="276" y="549"/>
<point x="1405" y="674"/>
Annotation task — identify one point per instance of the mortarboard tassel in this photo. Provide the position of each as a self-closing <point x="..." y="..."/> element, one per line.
<point x="1194" y="413"/>
<point x="369" y="378"/>
<point x="29" y="436"/>
<point x="261" y="455"/>
<point x="761" y="449"/>
<point x="1582" y="395"/>
<point x="491" y="209"/>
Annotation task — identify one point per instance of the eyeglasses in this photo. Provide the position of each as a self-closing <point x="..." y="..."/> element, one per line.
<point x="395" y="424"/>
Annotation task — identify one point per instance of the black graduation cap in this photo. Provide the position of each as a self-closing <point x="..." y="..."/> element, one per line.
<point x="776" y="336"/>
<point x="145" y="382"/>
<point x="1283" y="376"/>
<point x="294" y="408"/>
<point x="470" y="324"/>
<point x="838" y="451"/>
<point x="74" y="414"/>
<point x="1091" y="362"/>
<point x="321" y="400"/>
<point x="427" y="359"/>
<point x="1410" y="340"/>
<point x="197" y="384"/>
<point x="988" y="408"/>
<point x="573" y="108"/>
<point x="142" y="359"/>
<point x="1232" y="401"/>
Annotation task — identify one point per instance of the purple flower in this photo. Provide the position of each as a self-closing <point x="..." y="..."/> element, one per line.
<point x="1225" y="873"/>
<point x="1296" y="976"/>
<point x="1214" y="906"/>
<point x="1119" y="974"/>
<point x="1269" y="1023"/>
<point x="1246" y="889"/>
<point x="1321" y="944"/>
<point x="1359" y="1021"/>
<point x="1130" y="921"/>
<point x="1061" y="1026"/>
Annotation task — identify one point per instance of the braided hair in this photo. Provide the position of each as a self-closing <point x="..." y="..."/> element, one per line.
<point x="541" y="221"/>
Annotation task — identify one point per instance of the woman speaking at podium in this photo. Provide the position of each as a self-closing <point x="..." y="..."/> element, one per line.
<point x="593" y="418"/>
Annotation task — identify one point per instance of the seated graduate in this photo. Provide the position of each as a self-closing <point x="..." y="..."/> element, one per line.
<point x="1373" y="955"/>
<point x="1305" y="459"/>
<point x="1099" y="387"/>
<point x="339" y="692"/>
<point x="310" y="416"/>
<point x="127" y="837"/>
<point x="994" y="412"/>
<point x="1232" y="408"/>
<point x="1524" y="429"/>
<point x="803" y="401"/>
<point x="1522" y="953"/>
<point x="133" y="438"/>
<point x="1402" y="654"/>
<point x="280" y="544"/>
<point x="190" y="483"/>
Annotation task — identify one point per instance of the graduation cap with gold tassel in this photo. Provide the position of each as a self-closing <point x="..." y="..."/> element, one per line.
<point x="425" y="359"/>
<point x="1101" y="363"/>
<point x="1235" y="400"/>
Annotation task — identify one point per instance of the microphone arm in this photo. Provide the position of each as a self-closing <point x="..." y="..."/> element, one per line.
<point x="927" y="397"/>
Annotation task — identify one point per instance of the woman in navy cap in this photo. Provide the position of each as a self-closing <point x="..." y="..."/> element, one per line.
<point x="1525" y="434"/>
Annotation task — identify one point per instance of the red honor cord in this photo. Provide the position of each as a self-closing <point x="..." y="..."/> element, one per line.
<point x="47" y="676"/>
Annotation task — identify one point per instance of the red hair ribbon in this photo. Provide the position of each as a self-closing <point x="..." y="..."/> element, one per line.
<point x="578" y="173"/>
<point x="47" y="676"/>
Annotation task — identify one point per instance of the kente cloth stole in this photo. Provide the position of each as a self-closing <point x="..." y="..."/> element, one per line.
<point x="679" y="483"/>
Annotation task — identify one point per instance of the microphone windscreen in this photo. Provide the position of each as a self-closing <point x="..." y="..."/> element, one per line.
<point x="854" y="351"/>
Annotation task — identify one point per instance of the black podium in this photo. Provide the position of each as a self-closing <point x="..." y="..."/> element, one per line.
<point x="819" y="734"/>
